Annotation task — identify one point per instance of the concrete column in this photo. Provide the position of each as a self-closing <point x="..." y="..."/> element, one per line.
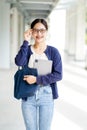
<point x="21" y="29"/>
<point x="66" y="48"/>
<point x="70" y="31"/>
<point x="4" y="34"/>
<point x="14" y="33"/>
<point x="80" y="34"/>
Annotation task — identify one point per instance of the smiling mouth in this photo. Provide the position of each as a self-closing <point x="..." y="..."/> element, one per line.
<point x="39" y="37"/>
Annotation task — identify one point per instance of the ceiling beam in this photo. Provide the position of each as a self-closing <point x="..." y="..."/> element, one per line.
<point x="37" y="6"/>
<point x="50" y="2"/>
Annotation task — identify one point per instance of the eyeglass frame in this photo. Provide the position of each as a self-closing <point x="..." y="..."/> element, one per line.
<point x="42" y="31"/>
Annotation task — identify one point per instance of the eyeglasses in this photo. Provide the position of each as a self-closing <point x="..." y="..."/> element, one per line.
<point x="42" y="31"/>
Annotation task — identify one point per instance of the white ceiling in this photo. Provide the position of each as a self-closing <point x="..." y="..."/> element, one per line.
<point x="34" y="8"/>
<point x="64" y="4"/>
<point x="39" y="8"/>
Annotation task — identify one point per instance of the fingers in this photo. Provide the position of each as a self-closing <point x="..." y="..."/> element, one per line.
<point x="30" y="79"/>
<point x="30" y="31"/>
<point x="28" y="34"/>
<point x="25" y="77"/>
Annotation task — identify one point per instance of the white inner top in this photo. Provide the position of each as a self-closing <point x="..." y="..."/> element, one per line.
<point x="36" y="56"/>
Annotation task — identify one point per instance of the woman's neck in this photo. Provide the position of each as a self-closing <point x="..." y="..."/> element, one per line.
<point x="39" y="47"/>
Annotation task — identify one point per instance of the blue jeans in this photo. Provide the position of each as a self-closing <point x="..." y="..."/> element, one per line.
<point x="38" y="109"/>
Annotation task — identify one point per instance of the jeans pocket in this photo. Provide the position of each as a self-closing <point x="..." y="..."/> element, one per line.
<point x="47" y="90"/>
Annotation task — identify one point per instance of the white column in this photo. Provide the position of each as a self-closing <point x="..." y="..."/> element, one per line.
<point x="14" y="34"/>
<point x="80" y="34"/>
<point x="21" y="29"/>
<point x="70" y="31"/>
<point x="66" y="48"/>
<point x="4" y="34"/>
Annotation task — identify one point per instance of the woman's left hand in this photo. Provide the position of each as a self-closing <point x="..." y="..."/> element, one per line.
<point x="30" y="79"/>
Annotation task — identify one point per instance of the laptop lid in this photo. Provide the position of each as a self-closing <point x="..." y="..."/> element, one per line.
<point x="43" y="66"/>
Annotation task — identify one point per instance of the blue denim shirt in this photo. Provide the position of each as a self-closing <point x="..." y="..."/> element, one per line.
<point x="22" y="58"/>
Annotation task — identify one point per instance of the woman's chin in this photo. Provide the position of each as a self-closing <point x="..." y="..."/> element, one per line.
<point x="39" y="40"/>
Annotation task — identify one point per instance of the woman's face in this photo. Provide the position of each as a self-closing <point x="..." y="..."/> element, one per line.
<point x="39" y="33"/>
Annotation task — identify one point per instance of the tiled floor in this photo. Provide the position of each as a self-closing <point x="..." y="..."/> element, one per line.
<point x="70" y="109"/>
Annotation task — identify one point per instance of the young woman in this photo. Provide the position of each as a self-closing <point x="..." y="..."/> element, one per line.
<point x="38" y="109"/>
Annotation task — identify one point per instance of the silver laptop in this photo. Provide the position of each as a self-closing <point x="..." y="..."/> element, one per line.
<point x="43" y="66"/>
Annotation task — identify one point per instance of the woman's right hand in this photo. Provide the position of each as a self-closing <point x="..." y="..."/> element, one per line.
<point x="28" y="34"/>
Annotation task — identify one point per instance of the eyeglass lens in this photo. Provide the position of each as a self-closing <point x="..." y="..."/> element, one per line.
<point x="39" y="30"/>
